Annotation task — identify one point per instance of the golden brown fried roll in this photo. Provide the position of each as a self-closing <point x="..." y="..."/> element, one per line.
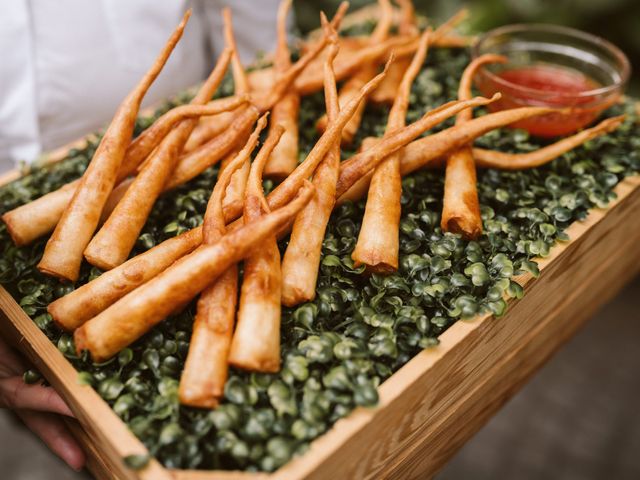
<point x="428" y="150"/>
<point x="112" y="244"/>
<point x="39" y="217"/>
<point x="284" y="158"/>
<point x="256" y="341"/>
<point x="302" y="257"/>
<point x="358" y="165"/>
<point x="205" y="371"/>
<point x="362" y="76"/>
<point x="63" y="253"/>
<point x="378" y="241"/>
<point x="136" y="313"/>
<point x="460" y="206"/>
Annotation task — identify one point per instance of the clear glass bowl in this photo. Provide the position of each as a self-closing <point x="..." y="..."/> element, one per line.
<point x="549" y="47"/>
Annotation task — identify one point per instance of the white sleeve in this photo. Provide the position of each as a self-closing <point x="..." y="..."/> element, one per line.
<point x="19" y="135"/>
<point x="66" y="66"/>
<point x="89" y="55"/>
<point x="254" y="23"/>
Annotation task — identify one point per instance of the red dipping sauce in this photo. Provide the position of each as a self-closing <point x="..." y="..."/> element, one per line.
<point x="552" y="66"/>
<point x="562" y="88"/>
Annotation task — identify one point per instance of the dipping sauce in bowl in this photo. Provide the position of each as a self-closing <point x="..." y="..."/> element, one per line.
<point x="549" y="65"/>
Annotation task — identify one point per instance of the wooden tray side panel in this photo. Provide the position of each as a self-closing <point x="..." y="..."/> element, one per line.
<point x="507" y="377"/>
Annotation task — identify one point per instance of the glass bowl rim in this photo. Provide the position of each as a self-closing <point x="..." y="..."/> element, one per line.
<point x="618" y="54"/>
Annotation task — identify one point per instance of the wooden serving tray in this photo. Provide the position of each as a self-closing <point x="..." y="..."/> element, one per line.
<point x="428" y="408"/>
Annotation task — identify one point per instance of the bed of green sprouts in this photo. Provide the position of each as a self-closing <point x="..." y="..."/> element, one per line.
<point x="339" y="348"/>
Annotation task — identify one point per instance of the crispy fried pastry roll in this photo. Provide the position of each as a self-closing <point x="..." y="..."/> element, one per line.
<point x="386" y="92"/>
<point x="32" y="220"/>
<point x="39" y="217"/>
<point x="113" y="243"/>
<point x="142" y="146"/>
<point x="63" y="253"/>
<point x="262" y="80"/>
<point x="519" y="161"/>
<point x="84" y="303"/>
<point x="206" y="368"/>
<point x="235" y="190"/>
<point x="423" y="151"/>
<point x="362" y="76"/>
<point x="302" y="257"/>
<point x="212" y="126"/>
<point x="460" y="206"/>
<point x="311" y="78"/>
<point x="256" y="340"/>
<point x="430" y="149"/>
<point x="208" y="154"/>
<point x="358" y="165"/>
<point x="378" y="241"/>
<point x="136" y="313"/>
<point x="285" y="191"/>
<point x="284" y="158"/>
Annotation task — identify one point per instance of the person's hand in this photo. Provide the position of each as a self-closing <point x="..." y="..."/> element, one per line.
<point x="39" y="408"/>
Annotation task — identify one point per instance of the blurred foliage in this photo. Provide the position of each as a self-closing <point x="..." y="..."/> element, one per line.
<point x="615" y="20"/>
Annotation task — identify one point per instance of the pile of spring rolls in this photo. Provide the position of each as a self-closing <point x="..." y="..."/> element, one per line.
<point x="99" y="217"/>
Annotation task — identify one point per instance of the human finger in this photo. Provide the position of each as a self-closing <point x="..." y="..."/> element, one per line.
<point x="17" y="395"/>
<point x="53" y="432"/>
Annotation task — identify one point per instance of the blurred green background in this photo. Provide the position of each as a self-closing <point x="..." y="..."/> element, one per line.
<point x="615" y="20"/>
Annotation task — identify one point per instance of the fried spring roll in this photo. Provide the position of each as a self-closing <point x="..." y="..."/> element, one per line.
<point x="311" y="79"/>
<point x="358" y="165"/>
<point x="113" y="243"/>
<point x="362" y="76"/>
<point x="428" y="150"/>
<point x="302" y="257"/>
<point x="63" y="253"/>
<point x="235" y="191"/>
<point x="84" y="303"/>
<point x="135" y="314"/>
<point x="386" y="93"/>
<point x="205" y="371"/>
<point x="213" y="151"/>
<point x="378" y="241"/>
<point x="234" y="198"/>
<point x="210" y="127"/>
<point x="285" y="191"/>
<point x="460" y="206"/>
<point x="519" y="161"/>
<point x="32" y="220"/>
<point x="39" y="217"/>
<point x="256" y="340"/>
<point x="263" y="79"/>
<point x="277" y="199"/>
<point x="142" y="146"/>
<point x="284" y="158"/>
